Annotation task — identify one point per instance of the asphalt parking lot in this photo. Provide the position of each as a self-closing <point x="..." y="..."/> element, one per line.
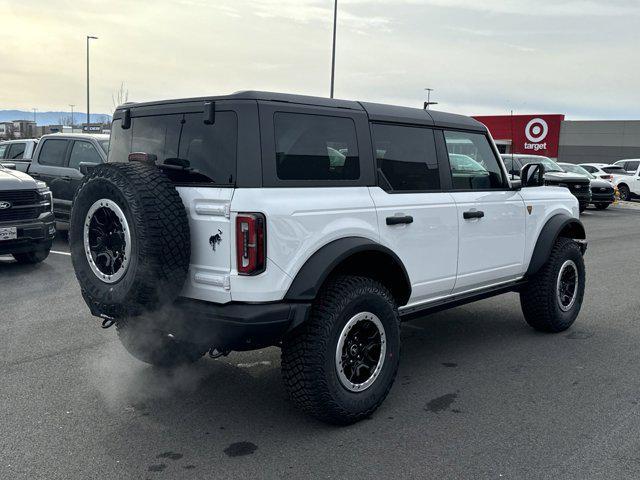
<point x="478" y="395"/>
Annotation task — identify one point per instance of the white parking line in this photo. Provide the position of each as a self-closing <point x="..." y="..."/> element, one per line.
<point x="60" y="253"/>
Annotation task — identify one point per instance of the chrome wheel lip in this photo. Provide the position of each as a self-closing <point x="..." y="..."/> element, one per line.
<point x="110" y="205"/>
<point x="567" y="265"/>
<point x="360" y="317"/>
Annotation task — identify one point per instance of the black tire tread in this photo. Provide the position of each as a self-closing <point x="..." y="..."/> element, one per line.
<point x="536" y="297"/>
<point x="303" y="352"/>
<point x="162" y="230"/>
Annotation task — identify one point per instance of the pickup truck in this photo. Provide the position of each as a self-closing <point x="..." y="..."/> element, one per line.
<point x="26" y="217"/>
<point x="60" y="160"/>
<point x="18" y="153"/>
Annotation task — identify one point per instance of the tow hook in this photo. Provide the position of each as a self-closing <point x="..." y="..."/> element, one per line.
<point x="215" y="353"/>
<point x="107" y="321"/>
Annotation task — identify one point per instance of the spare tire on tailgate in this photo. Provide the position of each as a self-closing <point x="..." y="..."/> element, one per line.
<point x="129" y="238"/>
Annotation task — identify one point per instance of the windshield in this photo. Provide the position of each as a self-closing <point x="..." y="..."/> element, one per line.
<point x="576" y="169"/>
<point x="104" y="144"/>
<point x="549" y="165"/>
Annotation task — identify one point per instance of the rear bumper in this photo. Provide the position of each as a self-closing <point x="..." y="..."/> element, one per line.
<point x="234" y="326"/>
<point x="32" y="235"/>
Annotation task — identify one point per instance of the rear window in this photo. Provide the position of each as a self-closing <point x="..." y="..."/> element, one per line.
<point x="615" y="169"/>
<point x="190" y="150"/>
<point x="16" y="151"/>
<point x="315" y="147"/>
<point x="53" y="153"/>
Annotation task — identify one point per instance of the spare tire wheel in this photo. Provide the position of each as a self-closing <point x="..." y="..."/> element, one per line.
<point x="129" y="239"/>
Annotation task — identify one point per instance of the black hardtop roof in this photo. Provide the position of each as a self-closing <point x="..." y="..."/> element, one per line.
<point x="375" y="111"/>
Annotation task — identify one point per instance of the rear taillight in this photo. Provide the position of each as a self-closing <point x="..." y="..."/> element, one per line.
<point x="608" y="177"/>
<point x="251" y="243"/>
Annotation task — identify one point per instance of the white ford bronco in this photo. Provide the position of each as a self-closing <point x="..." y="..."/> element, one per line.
<point x="261" y="219"/>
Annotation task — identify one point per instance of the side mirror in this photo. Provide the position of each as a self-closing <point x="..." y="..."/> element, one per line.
<point x="516" y="183"/>
<point x="86" y="167"/>
<point x="532" y="175"/>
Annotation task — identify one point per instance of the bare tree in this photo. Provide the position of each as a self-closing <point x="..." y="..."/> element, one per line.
<point x="65" y="120"/>
<point x="120" y="96"/>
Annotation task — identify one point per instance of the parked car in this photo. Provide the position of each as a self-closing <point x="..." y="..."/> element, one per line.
<point x="611" y="173"/>
<point x="626" y="182"/>
<point x="230" y="223"/>
<point x="629" y="185"/>
<point x="578" y="185"/>
<point x="631" y="165"/>
<point x="26" y="217"/>
<point x="59" y="160"/>
<point x="603" y="192"/>
<point x="18" y="153"/>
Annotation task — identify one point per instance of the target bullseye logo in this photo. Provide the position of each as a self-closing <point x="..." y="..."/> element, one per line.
<point x="536" y="130"/>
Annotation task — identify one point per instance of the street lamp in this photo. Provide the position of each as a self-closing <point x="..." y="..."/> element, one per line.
<point x="333" y="53"/>
<point x="429" y="102"/>
<point x="71" y="115"/>
<point x="88" y="38"/>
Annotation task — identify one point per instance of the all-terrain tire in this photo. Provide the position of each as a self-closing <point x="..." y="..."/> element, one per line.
<point x="539" y="298"/>
<point x="309" y="368"/>
<point x="34" y="257"/>
<point x="145" y="341"/>
<point x="602" y="206"/>
<point x="160" y="239"/>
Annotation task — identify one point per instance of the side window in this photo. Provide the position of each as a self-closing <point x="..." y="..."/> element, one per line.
<point x="315" y="147"/>
<point x="473" y="163"/>
<point x="53" y="152"/>
<point x="16" y="151"/>
<point x="406" y="157"/>
<point x="83" y="152"/>
<point x="589" y="168"/>
<point x="509" y="164"/>
<point x="3" y="149"/>
<point x="632" y="166"/>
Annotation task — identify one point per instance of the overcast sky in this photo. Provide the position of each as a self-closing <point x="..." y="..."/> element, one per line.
<point x="581" y="57"/>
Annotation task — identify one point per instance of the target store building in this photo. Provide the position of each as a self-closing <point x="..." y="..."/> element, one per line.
<point x="573" y="141"/>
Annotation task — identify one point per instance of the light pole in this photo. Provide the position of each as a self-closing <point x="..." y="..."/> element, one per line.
<point x="71" y="115"/>
<point x="429" y="102"/>
<point x="333" y="53"/>
<point x="88" y="115"/>
<point x="34" y="115"/>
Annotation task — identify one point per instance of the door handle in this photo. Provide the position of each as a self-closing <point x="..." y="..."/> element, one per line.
<point x="473" y="214"/>
<point x="399" y="220"/>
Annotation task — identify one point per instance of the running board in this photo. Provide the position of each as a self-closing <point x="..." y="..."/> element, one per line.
<point x="459" y="299"/>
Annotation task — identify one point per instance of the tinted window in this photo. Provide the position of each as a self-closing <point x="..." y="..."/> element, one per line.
<point x="632" y="166"/>
<point x="16" y="151"/>
<point x="406" y="157"/>
<point x="83" y="152"/>
<point x="120" y="142"/>
<point x="615" y="169"/>
<point x="53" y="153"/>
<point x="156" y="135"/>
<point x="589" y="168"/>
<point x="473" y="163"/>
<point x="196" y="152"/>
<point x="3" y="149"/>
<point x="210" y="150"/>
<point x="315" y="147"/>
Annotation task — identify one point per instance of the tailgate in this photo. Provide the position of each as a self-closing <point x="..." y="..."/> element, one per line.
<point x="211" y="235"/>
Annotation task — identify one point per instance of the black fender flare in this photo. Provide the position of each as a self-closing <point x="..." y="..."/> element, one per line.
<point x="558" y="225"/>
<point x="318" y="267"/>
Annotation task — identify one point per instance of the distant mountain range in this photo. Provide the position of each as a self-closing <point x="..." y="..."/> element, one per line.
<point x="52" y="118"/>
